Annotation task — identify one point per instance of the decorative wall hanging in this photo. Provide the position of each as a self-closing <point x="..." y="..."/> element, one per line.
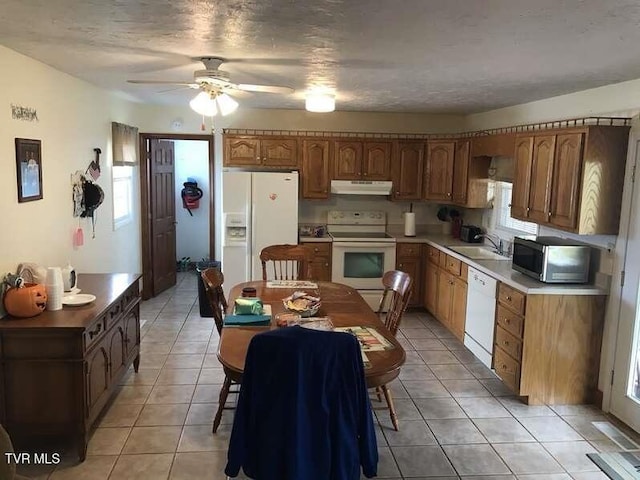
<point x="94" y="167"/>
<point x="29" y="169"/>
<point x="27" y="114"/>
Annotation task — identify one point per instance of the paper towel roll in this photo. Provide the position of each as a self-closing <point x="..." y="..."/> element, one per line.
<point x="55" y="288"/>
<point x="409" y="224"/>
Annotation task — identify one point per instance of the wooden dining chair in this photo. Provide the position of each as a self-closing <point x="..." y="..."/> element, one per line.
<point x="397" y="291"/>
<point x="213" y="279"/>
<point x="286" y="262"/>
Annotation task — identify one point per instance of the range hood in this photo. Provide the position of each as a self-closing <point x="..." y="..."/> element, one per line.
<point x="359" y="187"/>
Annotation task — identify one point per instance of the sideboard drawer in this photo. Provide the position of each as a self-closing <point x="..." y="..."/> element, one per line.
<point x="510" y="321"/>
<point x="509" y="343"/>
<point x="507" y="369"/>
<point x="95" y="332"/>
<point x="511" y="298"/>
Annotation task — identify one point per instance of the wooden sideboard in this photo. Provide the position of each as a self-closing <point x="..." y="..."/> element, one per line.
<point x="59" y="369"/>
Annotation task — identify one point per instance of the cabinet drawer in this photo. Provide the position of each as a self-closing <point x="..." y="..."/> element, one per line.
<point x="507" y="369"/>
<point x="509" y="343"/>
<point x="408" y="250"/>
<point x="510" y="321"/>
<point x="433" y="254"/>
<point x="94" y="332"/>
<point x="130" y="296"/>
<point x="453" y="265"/>
<point x="319" y="248"/>
<point x="512" y="299"/>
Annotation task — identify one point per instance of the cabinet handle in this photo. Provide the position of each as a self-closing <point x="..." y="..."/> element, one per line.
<point x="397" y="193"/>
<point x="508" y="298"/>
<point x="448" y="194"/>
<point x="528" y="209"/>
<point x="549" y="214"/>
<point x="115" y="312"/>
<point x="326" y="264"/>
<point x="504" y="367"/>
<point x="316" y="250"/>
<point x="400" y="265"/>
<point x="507" y="321"/>
<point x="365" y="174"/>
<point x="505" y="343"/>
<point x="451" y="282"/>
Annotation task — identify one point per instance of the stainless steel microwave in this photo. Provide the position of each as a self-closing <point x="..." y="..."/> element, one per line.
<point x="552" y="259"/>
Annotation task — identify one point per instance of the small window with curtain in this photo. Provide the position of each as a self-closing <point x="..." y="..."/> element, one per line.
<point x="502" y="219"/>
<point x="122" y="196"/>
<point x="125" y="158"/>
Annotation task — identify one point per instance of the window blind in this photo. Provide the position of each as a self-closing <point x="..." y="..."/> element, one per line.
<point x="125" y="140"/>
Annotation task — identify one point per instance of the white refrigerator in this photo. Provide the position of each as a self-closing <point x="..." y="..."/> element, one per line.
<point x="258" y="209"/>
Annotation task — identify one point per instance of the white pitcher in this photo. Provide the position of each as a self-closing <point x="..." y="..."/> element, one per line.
<point x="69" y="278"/>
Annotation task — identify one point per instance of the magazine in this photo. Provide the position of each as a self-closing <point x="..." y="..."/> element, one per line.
<point x="368" y="337"/>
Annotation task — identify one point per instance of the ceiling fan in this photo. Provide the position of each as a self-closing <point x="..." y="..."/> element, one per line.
<point x="213" y="77"/>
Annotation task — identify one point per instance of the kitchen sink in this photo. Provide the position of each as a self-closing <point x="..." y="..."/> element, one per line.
<point x="478" y="253"/>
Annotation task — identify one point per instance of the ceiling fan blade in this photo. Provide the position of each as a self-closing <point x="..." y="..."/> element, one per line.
<point x="177" y="88"/>
<point x="163" y="82"/>
<point x="263" y="88"/>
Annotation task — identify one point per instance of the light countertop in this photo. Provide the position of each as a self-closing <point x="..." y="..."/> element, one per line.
<point x="324" y="238"/>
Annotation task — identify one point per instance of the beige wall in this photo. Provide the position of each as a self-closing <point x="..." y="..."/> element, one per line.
<point x="74" y="118"/>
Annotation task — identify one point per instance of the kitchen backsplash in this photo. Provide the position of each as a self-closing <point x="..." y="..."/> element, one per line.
<point x="312" y="212"/>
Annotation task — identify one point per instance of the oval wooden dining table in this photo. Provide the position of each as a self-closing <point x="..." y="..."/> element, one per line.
<point x="341" y="303"/>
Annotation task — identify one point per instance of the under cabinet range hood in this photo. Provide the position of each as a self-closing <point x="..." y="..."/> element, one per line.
<point x="360" y="187"/>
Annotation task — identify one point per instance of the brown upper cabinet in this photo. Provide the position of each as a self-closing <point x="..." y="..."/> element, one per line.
<point x="356" y="160"/>
<point x="406" y="171"/>
<point x="497" y="145"/>
<point x="248" y="151"/>
<point x="461" y="172"/>
<point x="314" y="176"/>
<point x="571" y="179"/>
<point x="438" y="172"/>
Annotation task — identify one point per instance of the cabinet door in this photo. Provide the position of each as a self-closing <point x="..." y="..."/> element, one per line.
<point x="412" y="266"/>
<point x="566" y="180"/>
<point x="281" y="152"/>
<point x="347" y="160"/>
<point x="241" y="151"/>
<point x="117" y="350"/>
<point x="132" y="331"/>
<point x="461" y="172"/>
<point x="438" y="182"/>
<point x="522" y="177"/>
<point x="407" y="171"/>
<point x="315" y="169"/>
<point x="459" y="308"/>
<point x="430" y="286"/>
<point x="541" y="173"/>
<point x="376" y="162"/>
<point x="445" y="298"/>
<point x="97" y="375"/>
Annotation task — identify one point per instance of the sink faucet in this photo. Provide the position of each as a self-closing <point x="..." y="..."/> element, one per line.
<point x="498" y="246"/>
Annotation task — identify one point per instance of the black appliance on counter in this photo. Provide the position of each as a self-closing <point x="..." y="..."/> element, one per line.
<point x="469" y="234"/>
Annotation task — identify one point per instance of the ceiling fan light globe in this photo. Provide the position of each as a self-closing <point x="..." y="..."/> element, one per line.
<point x="320" y="102"/>
<point x="226" y="104"/>
<point x="204" y="105"/>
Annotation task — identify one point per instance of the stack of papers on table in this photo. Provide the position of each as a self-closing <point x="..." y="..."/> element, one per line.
<point x="291" y="284"/>
<point x="250" y="320"/>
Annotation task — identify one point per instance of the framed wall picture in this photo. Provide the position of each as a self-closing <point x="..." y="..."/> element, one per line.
<point x="29" y="169"/>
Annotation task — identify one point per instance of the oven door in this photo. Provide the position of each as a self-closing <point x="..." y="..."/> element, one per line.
<point x="361" y="265"/>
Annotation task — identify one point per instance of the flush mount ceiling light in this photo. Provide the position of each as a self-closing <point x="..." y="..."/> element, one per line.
<point x="210" y="103"/>
<point x="320" y="102"/>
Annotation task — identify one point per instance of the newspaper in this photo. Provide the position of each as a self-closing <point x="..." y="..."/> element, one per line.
<point x="291" y="284"/>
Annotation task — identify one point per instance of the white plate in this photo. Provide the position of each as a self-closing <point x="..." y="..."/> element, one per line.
<point x="78" y="299"/>
<point x="73" y="291"/>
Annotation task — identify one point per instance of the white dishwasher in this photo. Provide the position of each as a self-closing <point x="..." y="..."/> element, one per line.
<point x="481" y="311"/>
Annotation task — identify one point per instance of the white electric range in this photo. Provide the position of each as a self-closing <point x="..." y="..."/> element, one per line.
<point x="362" y="251"/>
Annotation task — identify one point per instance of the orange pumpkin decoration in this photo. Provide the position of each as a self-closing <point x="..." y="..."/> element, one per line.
<point x="28" y="301"/>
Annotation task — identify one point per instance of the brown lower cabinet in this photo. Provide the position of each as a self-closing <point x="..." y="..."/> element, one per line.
<point x="547" y="347"/>
<point x="60" y="368"/>
<point x="321" y="264"/>
<point x="445" y="290"/>
<point x="409" y="260"/>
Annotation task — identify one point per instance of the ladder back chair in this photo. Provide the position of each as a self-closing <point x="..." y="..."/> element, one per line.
<point x="213" y="279"/>
<point x="286" y="262"/>
<point x="397" y="291"/>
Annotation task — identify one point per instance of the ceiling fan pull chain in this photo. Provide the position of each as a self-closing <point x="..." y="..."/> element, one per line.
<point x="202" y="125"/>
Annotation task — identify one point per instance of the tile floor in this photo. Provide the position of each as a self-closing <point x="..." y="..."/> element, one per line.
<point x="456" y="417"/>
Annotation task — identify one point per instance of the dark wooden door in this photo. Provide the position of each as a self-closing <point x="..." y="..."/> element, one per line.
<point x="376" y="161"/>
<point x="567" y="176"/>
<point x="407" y="171"/>
<point x="315" y="169"/>
<point x="117" y="350"/>
<point x="163" y="215"/>
<point x="438" y="183"/>
<point x="97" y="376"/>
<point x="541" y="172"/>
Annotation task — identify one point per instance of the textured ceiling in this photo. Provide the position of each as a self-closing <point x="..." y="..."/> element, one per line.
<point x="437" y="56"/>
